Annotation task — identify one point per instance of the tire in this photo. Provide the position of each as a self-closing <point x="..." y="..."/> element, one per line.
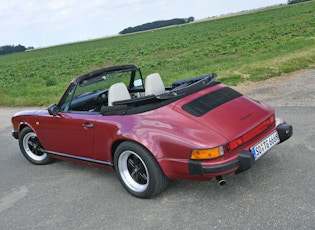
<point x="31" y="148"/>
<point x="138" y="170"/>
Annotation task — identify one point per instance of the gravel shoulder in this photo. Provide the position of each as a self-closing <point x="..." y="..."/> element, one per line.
<point x="295" y="89"/>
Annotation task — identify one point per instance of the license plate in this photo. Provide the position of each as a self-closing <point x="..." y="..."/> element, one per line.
<point x="266" y="144"/>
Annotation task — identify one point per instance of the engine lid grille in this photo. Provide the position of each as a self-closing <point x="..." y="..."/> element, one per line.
<point x="210" y="101"/>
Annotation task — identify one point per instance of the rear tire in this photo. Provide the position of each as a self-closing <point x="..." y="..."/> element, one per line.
<point x="138" y="170"/>
<point x="31" y="148"/>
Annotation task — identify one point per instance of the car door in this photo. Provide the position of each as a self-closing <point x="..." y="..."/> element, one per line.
<point x="68" y="133"/>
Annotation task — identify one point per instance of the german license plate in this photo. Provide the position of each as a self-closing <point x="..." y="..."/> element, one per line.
<point x="266" y="144"/>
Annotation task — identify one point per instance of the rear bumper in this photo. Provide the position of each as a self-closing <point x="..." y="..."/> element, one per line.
<point x="285" y="131"/>
<point x="244" y="160"/>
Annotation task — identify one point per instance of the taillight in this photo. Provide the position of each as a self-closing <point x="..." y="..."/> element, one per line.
<point x="206" y="154"/>
<point x="254" y="132"/>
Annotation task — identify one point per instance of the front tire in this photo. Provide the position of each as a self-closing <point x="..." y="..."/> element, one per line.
<point x="138" y="170"/>
<point x="31" y="148"/>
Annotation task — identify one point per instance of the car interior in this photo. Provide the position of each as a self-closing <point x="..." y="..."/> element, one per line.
<point x="102" y="94"/>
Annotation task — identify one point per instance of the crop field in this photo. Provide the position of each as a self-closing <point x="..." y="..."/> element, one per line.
<point x="247" y="47"/>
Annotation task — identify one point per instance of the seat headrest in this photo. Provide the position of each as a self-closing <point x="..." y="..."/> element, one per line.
<point x="117" y="92"/>
<point x="154" y="84"/>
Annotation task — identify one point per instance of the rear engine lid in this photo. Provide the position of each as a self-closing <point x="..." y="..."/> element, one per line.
<point x="224" y="110"/>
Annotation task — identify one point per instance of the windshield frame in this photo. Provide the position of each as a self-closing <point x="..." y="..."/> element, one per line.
<point x="101" y="80"/>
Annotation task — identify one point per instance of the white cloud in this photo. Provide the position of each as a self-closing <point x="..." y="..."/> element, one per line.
<point x="60" y="4"/>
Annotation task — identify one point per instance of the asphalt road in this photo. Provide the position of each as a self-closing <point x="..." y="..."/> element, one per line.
<point x="276" y="193"/>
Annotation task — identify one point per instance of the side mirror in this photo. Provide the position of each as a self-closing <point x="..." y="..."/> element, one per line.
<point x="53" y="109"/>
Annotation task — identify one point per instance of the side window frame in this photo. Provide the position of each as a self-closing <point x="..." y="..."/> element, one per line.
<point x="65" y="103"/>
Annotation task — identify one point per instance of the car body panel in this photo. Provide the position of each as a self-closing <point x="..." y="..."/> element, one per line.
<point x="66" y="133"/>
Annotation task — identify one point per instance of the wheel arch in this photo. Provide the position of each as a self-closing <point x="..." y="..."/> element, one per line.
<point x="118" y="142"/>
<point x="31" y="147"/>
<point x="114" y="147"/>
<point x="23" y="126"/>
<point x="26" y="125"/>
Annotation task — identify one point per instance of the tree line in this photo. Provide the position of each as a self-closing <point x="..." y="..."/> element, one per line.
<point x="157" y="24"/>
<point x="296" y="1"/>
<point x="13" y="49"/>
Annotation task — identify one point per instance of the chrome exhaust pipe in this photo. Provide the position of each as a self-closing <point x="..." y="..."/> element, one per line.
<point x="221" y="181"/>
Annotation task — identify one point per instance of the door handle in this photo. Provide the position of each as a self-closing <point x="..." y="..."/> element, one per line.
<point x="88" y="125"/>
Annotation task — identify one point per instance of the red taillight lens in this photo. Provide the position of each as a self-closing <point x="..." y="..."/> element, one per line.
<point x="235" y="143"/>
<point x="254" y="132"/>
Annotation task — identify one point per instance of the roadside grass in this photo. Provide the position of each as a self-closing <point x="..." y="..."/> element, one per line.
<point x="247" y="47"/>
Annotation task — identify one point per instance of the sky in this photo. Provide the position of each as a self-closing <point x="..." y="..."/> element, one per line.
<point x="42" y="23"/>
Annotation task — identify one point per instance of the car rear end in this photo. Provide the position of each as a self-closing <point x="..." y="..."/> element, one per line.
<point x="250" y="128"/>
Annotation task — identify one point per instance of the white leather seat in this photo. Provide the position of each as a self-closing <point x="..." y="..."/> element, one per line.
<point x="154" y="84"/>
<point x="117" y="92"/>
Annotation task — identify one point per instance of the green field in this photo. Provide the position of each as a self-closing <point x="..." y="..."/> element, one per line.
<point x="247" y="47"/>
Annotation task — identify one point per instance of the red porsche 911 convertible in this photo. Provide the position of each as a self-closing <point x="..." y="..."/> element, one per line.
<point x="196" y="129"/>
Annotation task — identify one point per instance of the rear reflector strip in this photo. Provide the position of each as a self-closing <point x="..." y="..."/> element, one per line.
<point x="210" y="101"/>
